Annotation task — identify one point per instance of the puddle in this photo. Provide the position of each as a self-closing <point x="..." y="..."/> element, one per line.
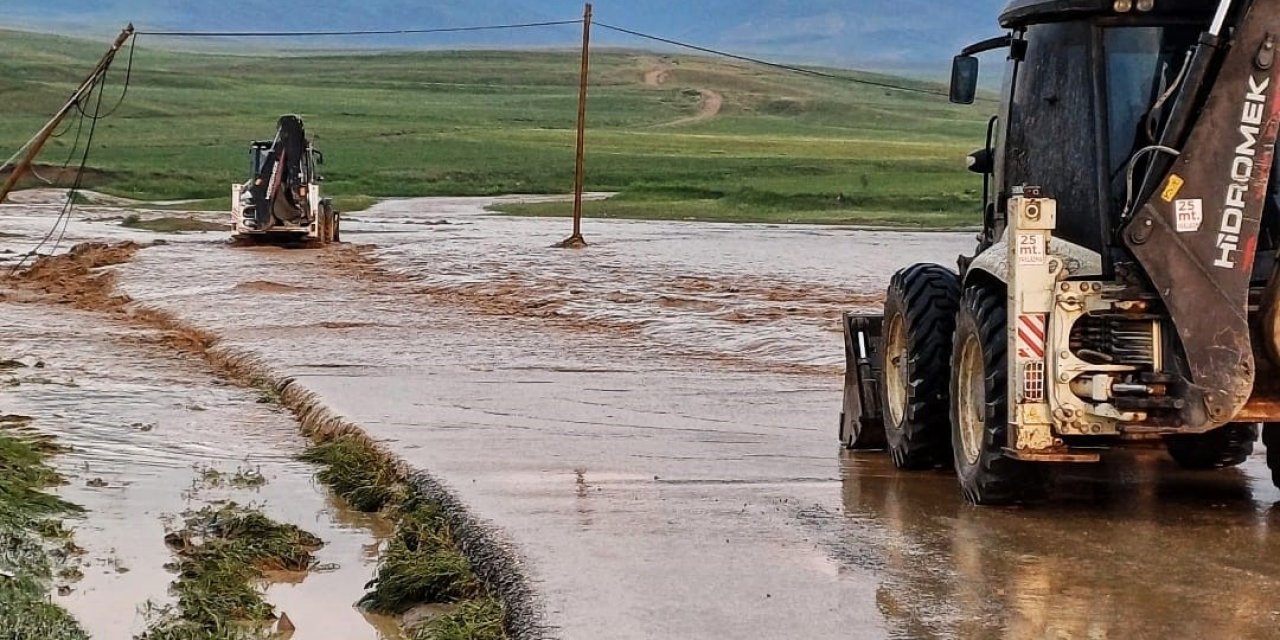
<point x="147" y="430"/>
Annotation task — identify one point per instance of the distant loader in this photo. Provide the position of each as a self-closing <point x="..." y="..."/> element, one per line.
<point x="282" y="200"/>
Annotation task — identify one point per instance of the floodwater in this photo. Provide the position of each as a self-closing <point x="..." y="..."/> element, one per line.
<point x="1135" y="548"/>
<point x="650" y="423"/>
<point x="152" y="436"/>
<point x="765" y="294"/>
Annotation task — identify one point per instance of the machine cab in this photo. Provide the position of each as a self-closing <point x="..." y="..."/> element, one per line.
<point x="1087" y="85"/>
<point x="260" y="151"/>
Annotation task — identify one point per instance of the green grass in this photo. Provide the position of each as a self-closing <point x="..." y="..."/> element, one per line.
<point x="222" y="555"/>
<point x="171" y="225"/>
<point x="356" y="473"/>
<point x="479" y="619"/>
<point x="486" y="122"/>
<point x="28" y="528"/>
<point x="422" y="563"/>
<point x="752" y="205"/>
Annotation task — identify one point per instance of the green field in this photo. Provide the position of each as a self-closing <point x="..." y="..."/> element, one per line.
<point x="784" y="147"/>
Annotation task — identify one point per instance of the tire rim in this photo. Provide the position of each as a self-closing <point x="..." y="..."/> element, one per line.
<point x="971" y="399"/>
<point x="895" y="370"/>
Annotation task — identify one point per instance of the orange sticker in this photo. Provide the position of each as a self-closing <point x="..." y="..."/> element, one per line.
<point x="1172" y="188"/>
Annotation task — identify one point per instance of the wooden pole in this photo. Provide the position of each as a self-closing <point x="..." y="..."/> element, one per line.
<point x="37" y="143"/>
<point x="579" y="178"/>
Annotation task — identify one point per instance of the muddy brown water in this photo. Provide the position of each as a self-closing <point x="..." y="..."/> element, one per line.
<point x="650" y="423"/>
<point x="144" y="426"/>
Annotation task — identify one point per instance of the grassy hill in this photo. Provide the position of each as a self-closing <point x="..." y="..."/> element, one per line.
<point x="782" y="147"/>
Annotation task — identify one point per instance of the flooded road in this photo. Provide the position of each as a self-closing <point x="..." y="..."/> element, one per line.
<point x="763" y="294"/>
<point x="1136" y="548"/>
<point x="153" y="436"/>
<point x="650" y="424"/>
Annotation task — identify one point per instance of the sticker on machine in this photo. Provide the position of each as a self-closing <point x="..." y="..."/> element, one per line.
<point x="1190" y="215"/>
<point x="1173" y="188"/>
<point x="1031" y="333"/>
<point x="1031" y="250"/>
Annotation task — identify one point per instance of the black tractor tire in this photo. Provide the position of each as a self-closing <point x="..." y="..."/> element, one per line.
<point x="923" y="299"/>
<point x="1271" y="440"/>
<point x="990" y="477"/>
<point x="337" y="227"/>
<point x="1221" y="448"/>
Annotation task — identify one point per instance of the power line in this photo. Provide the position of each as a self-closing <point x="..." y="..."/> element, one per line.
<point x="372" y="32"/>
<point x="775" y="65"/>
<point x="534" y="25"/>
<point x="63" y="221"/>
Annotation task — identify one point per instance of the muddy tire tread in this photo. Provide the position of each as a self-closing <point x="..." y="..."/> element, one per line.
<point x="928" y="296"/>
<point x="996" y="479"/>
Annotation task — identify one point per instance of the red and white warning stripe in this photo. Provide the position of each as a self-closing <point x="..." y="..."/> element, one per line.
<point x="1031" y="336"/>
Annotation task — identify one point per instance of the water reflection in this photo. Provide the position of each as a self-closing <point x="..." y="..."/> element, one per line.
<point x="1132" y="549"/>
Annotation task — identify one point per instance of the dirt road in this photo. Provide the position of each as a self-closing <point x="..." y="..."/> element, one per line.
<point x="709" y="106"/>
<point x="648" y="425"/>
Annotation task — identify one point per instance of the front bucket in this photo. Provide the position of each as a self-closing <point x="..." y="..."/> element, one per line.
<point x="862" y="419"/>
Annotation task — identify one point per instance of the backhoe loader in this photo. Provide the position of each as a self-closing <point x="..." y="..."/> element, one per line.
<point x="1124" y="288"/>
<point x="282" y="202"/>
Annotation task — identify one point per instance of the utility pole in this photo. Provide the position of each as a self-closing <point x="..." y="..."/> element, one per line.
<point x="33" y="147"/>
<point x="576" y="241"/>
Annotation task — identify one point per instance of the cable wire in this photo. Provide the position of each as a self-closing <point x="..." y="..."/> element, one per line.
<point x="775" y="65"/>
<point x="63" y="221"/>
<point x="532" y="25"/>
<point x="128" y="78"/>
<point x="372" y="32"/>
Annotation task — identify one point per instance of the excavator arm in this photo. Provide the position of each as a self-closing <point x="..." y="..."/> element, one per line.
<point x="1196" y="235"/>
<point x="278" y="189"/>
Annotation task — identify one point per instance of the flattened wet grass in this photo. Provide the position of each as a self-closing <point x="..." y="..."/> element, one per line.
<point x="29" y="525"/>
<point x="357" y="473"/>
<point x="223" y="555"/>
<point x="423" y="562"/>
<point x="171" y="225"/>
<point x="479" y="619"/>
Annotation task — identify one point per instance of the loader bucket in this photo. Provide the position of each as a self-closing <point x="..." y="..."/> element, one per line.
<point x="862" y="419"/>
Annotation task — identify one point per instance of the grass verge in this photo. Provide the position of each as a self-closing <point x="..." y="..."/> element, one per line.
<point x="750" y="206"/>
<point x="171" y="225"/>
<point x="223" y="553"/>
<point x="422" y="564"/>
<point x="28" y="528"/>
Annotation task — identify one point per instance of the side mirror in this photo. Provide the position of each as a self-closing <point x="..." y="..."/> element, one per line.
<point x="982" y="161"/>
<point x="319" y="157"/>
<point x="964" y="80"/>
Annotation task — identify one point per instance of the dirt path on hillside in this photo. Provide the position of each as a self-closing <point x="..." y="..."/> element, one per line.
<point x="656" y="77"/>
<point x="710" y="106"/>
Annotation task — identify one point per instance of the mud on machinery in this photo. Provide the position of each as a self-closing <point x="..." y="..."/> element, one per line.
<point x="282" y="202"/>
<point x="1133" y="293"/>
